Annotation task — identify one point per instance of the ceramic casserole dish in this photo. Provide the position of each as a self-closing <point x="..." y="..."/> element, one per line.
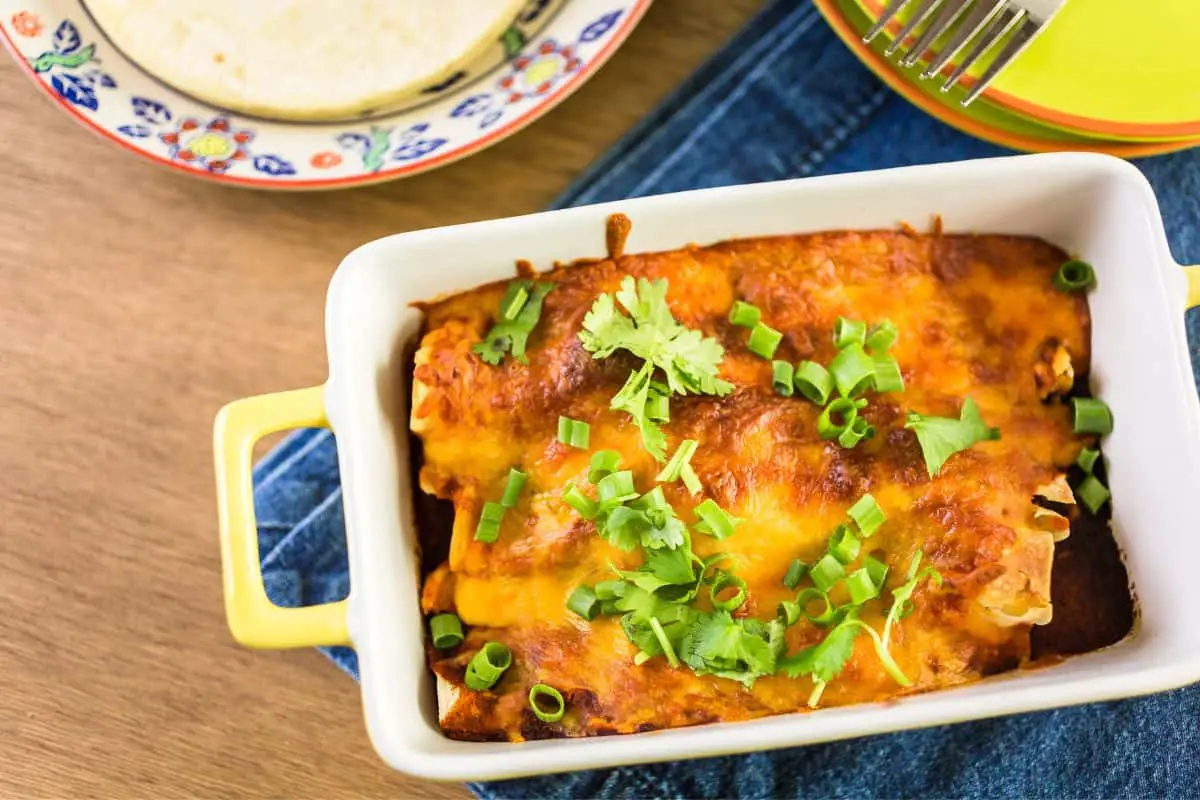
<point x="1097" y="207"/>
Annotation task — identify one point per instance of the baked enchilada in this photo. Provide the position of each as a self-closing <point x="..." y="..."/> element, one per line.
<point x="757" y="477"/>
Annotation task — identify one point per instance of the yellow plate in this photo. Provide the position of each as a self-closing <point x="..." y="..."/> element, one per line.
<point x="1108" y="68"/>
<point x="981" y="119"/>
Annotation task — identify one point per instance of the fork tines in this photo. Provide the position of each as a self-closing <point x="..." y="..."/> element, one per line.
<point x="984" y="22"/>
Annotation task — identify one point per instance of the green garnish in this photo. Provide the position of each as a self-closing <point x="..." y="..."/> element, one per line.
<point x="783" y="377"/>
<point x="488" y="529"/>
<point x="722" y="581"/>
<point x="814" y="382"/>
<point x="795" y="573"/>
<point x="852" y="370"/>
<point x="537" y="693"/>
<point x="604" y="462"/>
<point x="826" y="659"/>
<point x="881" y="337"/>
<point x="616" y="487"/>
<point x="859" y="430"/>
<point x="576" y="499"/>
<point x="837" y="418"/>
<point x="764" y="340"/>
<point x="574" y="433"/>
<point x="714" y="520"/>
<point x="1092" y="493"/>
<point x="584" y="602"/>
<point x="828" y="613"/>
<point x="741" y="650"/>
<point x="511" y="333"/>
<point x="687" y="358"/>
<point x="744" y="315"/>
<point x="608" y="590"/>
<point x="446" y="631"/>
<point x="887" y="374"/>
<point x="486" y="666"/>
<point x="664" y="642"/>
<point x="1075" y="276"/>
<point x="862" y="586"/>
<point x="512" y="489"/>
<point x="902" y="604"/>
<point x="680" y="459"/>
<point x="1091" y="415"/>
<point x="867" y="515"/>
<point x="1087" y="459"/>
<point x="942" y="437"/>
<point x="844" y="545"/>
<point x="848" y="332"/>
<point x="826" y="572"/>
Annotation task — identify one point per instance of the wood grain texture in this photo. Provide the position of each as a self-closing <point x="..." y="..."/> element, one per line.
<point x="133" y="303"/>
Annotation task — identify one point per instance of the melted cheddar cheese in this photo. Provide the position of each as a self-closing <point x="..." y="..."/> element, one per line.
<point x="977" y="317"/>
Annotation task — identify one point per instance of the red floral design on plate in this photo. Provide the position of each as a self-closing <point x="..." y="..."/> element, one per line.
<point x="325" y="160"/>
<point x="27" y="23"/>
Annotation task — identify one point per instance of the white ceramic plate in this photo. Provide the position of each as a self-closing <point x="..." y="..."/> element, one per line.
<point x="1095" y="206"/>
<point x="547" y="54"/>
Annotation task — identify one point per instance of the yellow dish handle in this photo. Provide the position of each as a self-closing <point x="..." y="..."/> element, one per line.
<point x="1193" y="279"/>
<point x="253" y="618"/>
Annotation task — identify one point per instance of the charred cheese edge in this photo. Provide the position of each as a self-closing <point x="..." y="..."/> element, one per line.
<point x="977" y="317"/>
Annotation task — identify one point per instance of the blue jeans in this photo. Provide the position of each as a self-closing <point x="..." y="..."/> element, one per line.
<point x="785" y="99"/>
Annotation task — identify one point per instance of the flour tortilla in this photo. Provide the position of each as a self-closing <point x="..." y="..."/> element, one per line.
<point x="303" y="59"/>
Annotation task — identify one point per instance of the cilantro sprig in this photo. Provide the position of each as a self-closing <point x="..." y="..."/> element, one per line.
<point x="942" y="437"/>
<point x="686" y="358"/>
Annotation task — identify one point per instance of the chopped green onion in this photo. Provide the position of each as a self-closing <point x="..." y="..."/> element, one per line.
<point x="512" y="306"/>
<point x="849" y="331"/>
<point x="887" y="374"/>
<point x="576" y="499"/>
<point x="512" y="489"/>
<point x="789" y="612"/>
<point x="859" y="429"/>
<point x="573" y="432"/>
<point x="609" y="590"/>
<point x="1087" y="459"/>
<point x="796" y="572"/>
<point x="814" y="382"/>
<point x="867" y="515"/>
<point x="744" y="314"/>
<point x="862" y="586"/>
<point x="783" y="377"/>
<point x="539" y="691"/>
<point x="446" y="631"/>
<point x="804" y="600"/>
<point x="844" y="545"/>
<point x="721" y="582"/>
<point x="487" y="666"/>
<point x="616" y="487"/>
<point x="658" y="403"/>
<point x="881" y="337"/>
<point x="876" y="569"/>
<point x="679" y="460"/>
<point x="1093" y="494"/>
<point x="488" y="529"/>
<point x="1075" y="276"/>
<point x="583" y="601"/>
<point x="664" y="642"/>
<point x="845" y="411"/>
<point x="1092" y="415"/>
<point x="826" y="572"/>
<point x="604" y="462"/>
<point x="714" y="520"/>
<point x="609" y="608"/>
<point x="691" y="480"/>
<point x="852" y="370"/>
<point x="764" y="340"/>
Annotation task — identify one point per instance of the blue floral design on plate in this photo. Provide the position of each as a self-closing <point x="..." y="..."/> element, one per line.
<point x="274" y="165"/>
<point x="600" y="27"/>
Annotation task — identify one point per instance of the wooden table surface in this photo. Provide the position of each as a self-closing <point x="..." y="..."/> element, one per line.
<point x="133" y="303"/>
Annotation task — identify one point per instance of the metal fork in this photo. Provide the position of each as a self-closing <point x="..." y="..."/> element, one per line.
<point x="986" y="22"/>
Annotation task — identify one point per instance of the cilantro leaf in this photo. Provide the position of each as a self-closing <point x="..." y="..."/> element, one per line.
<point x="942" y="437"/>
<point x="826" y="659"/>
<point x="513" y="334"/>
<point x="687" y="358"/>
<point x="902" y="604"/>
<point x="741" y="650"/>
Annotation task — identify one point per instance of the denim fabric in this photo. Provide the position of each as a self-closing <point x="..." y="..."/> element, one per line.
<point x="786" y="99"/>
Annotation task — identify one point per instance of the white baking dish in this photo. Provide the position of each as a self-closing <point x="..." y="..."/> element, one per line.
<point x="1097" y="207"/>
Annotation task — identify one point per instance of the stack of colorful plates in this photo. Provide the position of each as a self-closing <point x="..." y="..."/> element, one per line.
<point x="1107" y="76"/>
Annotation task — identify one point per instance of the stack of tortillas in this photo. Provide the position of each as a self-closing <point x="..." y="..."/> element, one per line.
<point x="303" y="59"/>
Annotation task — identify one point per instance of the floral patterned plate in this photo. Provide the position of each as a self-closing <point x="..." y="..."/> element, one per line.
<point x="60" y="47"/>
